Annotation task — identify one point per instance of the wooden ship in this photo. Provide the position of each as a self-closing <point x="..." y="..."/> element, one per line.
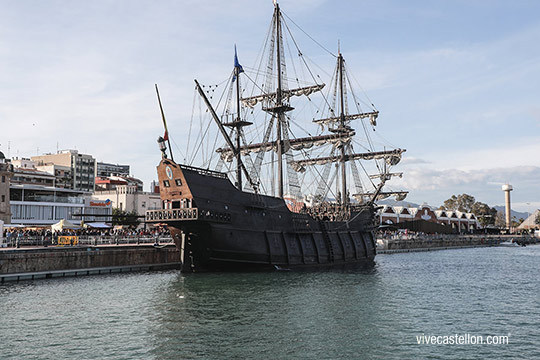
<point x="242" y="219"/>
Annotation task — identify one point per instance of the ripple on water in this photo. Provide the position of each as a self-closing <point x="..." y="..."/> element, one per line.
<point x="323" y="314"/>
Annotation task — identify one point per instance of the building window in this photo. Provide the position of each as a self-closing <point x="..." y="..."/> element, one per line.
<point x="166" y="183"/>
<point x="3" y="178"/>
<point x="3" y="198"/>
<point x="178" y="182"/>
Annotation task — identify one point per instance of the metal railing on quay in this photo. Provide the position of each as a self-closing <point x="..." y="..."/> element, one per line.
<point x="443" y="237"/>
<point x="83" y="240"/>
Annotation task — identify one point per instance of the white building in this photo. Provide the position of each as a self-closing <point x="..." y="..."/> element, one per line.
<point x="35" y="200"/>
<point x="457" y="220"/>
<point x="127" y="198"/>
<point x="24" y="163"/>
<point x="44" y="205"/>
<point x="107" y="169"/>
<point x="62" y="174"/>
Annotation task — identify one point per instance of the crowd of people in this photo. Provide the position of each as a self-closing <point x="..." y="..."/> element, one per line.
<point x="400" y="234"/>
<point x="22" y="233"/>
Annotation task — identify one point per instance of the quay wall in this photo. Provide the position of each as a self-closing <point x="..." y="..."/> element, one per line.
<point x="49" y="259"/>
<point x="430" y="241"/>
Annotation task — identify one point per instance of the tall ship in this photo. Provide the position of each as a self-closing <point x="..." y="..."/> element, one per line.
<point x="249" y="194"/>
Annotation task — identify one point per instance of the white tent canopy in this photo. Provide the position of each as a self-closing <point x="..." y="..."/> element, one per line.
<point x="64" y="224"/>
<point x="530" y="222"/>
<point x="97" y="225"/>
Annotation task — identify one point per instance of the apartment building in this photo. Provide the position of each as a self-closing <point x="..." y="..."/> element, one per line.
<point x="82" y="168"/>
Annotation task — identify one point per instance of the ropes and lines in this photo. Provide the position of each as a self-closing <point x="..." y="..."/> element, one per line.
<point x="263" y="79"/>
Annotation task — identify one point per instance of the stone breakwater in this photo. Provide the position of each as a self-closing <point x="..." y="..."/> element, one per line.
<point x="420" y="242"/>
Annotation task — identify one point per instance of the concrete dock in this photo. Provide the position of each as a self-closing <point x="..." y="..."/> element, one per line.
<point x="48" y="262"/>
<point x="431" y="242"/>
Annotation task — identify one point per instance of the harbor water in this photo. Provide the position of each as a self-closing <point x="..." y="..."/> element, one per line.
<point x="387" y="312"/>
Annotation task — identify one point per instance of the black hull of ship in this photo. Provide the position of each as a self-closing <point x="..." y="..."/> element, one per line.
<point x="227" y="229"/>
<point x="208" y="248"/>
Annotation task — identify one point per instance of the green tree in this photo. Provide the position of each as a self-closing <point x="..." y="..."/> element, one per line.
<point x="450" y="204"/>
<point x="122" y="217"/>
<point x="500" y="220"/>
<point x="486" y="215"/>
<point x="463" y="203"/>
<point x="466" y="203"/>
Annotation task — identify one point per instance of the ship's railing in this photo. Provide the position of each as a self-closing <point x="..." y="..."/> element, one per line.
<point x="86" y="240"/>
<point x="183" y="214"/>
<point x="201" y="171"/>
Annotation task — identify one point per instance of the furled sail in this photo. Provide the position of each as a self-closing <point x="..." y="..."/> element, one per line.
<point x="307" y="90"/>
<point x="372" y="118"/>
<point x="399" y="195"/>
<point x="386" y="176"/>
<point x="392" y="157"/>
<point x="295" y="144"/>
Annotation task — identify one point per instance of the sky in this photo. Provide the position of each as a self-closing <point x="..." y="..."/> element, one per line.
<point x="456" y="82"/>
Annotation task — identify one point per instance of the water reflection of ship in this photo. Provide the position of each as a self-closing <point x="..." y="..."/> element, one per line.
<point x="255" y="223"/>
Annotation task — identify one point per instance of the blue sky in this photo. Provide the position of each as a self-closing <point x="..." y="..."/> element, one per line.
<point x="456" y="82"/>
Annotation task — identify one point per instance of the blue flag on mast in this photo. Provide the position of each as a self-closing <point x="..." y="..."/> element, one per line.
<point x="236" y="63"/>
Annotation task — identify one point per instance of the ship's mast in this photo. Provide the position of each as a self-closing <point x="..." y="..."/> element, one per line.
<point x="275" y="101"/>
<point x="221" y="127"/>
<point x="341" y="130"/>
<point x="279" y="104"/>
<point x="166" y="137"/>
<point x="237" y="121"/>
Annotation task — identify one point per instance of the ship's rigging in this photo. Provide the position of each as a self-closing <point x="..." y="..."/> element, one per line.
<point x="257" y="121"/>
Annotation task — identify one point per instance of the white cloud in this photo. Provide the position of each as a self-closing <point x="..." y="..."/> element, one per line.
<point x="82" y="74"/>
<point x="407" y="160"/>
<point x="430" y="179"/>
<point x="519" y="152"/>
<point x="435" y="186"/>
